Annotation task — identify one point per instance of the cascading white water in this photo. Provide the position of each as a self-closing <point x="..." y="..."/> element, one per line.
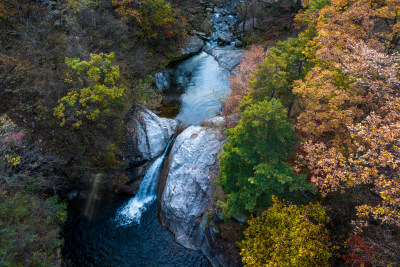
<point x="132" y="211"/>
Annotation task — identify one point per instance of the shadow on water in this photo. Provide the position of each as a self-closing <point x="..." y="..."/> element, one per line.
<point x="99" y="241"/>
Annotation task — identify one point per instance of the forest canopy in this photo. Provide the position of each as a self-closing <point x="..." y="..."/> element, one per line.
<point x="339" y="82"/>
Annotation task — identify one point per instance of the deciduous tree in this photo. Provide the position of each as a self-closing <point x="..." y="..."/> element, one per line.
<point x="239" y="82"/>
<point x="96" y="89"/>
<point x="284" y="64"/>
<point x="287" y="235"/>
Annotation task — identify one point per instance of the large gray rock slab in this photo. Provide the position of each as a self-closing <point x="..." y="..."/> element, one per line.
<point x="188" y="193"/>
<point x="227" y="58"/>
<point x="148" y="135"/>
<point x="193" y="45"/>
<point x="215" y="123"/>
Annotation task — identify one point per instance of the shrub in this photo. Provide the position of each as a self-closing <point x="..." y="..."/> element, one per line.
<point x="29" y="228"/>
<point x="157" y="19"/>
<point x="22" y="164"/>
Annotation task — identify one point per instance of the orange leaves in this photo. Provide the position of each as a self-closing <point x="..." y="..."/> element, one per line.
<point x="239" y="82"/>
<point x="7" y="8"/>
<point x="351" y="109"/>
<point x="376" y="161"/>
<point x="330" y="105"/>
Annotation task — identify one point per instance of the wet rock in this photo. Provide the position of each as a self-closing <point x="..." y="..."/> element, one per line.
<point x="163" y="80"/>
<point x="239" y="44"/>
<point x="189" y="188"/>
<point x="227" y="58"/>
<point x="202" y="35"/>
<point x="148" y="135"/>
<point x="217" y="252"/>
<point x="215" y="123"/>
<point x="224" y="38"/>
<point x="193" y="45"/>
<point x="239" y="218"/>
<point x="72" y="195"/>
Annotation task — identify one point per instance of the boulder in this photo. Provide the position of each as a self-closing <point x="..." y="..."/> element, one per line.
<point x="227" y="58"/>
<point x="193" y="45"/>
<point x="239" y="44"/>
<point x="224" y="38"/>
<point x="201" y="35"/>
<point x="163" y="80"/>
<point x="215" y="123"/>
<point x="148" y="135"/>
<point x="189" y="188"/>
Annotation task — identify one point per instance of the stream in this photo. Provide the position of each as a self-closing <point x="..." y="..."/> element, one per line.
<point x="125" y="231"/>
<point x="106" y="229"/>
<point x="193" y="89"/>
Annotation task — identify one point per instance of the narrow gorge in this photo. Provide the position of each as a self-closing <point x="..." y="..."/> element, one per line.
<point x="127" y="232"/>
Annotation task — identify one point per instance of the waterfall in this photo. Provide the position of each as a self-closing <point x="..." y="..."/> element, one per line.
<point x="132" y="211"/>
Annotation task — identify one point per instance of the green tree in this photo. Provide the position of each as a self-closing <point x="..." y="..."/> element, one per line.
<point x="284" y="64"/>
<point x="96" y="89"/>
<point x="254" y="162"/>
<point x="287" y="235"/>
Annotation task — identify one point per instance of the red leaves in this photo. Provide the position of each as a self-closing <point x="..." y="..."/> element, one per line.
<point x="14" y="138"/>
<point x="240" y="82"/>
<point x="360" y="251"/>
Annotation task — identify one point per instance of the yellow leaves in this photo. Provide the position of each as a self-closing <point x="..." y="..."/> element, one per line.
<point x="376" y="162"/>
<point x="14" y="160"/>
<point x="94" y="74"/>
<point x="77" y="124"/>
<point x="100" y="75"/>
<point x="77" y="5"/>
<point x="284" y="235"/>
<point x="329" y="101"/>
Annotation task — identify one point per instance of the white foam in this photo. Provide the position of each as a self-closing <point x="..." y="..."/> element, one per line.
<point x="132" y="211"/>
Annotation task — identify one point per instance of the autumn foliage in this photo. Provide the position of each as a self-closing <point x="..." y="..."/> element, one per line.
<point x="352" y="105"/>
<point x="96" y="89"/>
<point x="157" y="19"/>
<point x="339" y="81"/>
<point x="287" y="235"/>
<point x="361" y="253"/>
<point x="239" y="82"/>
